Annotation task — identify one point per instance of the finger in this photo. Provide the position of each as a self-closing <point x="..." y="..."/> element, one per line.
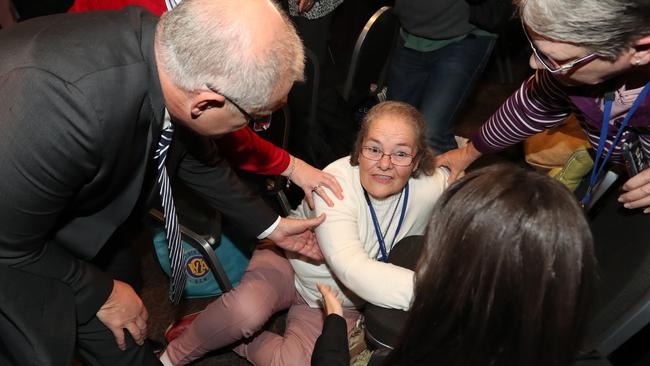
<point x="637" y="181"/>
<point x="317" y="220"/>
<point x="138" y="336"/>
<point x="325" y="197"/>
<point x="308" y="247"/>
<point x="636" y="194"/>
<point x="636" y="201"/>
<point x="314" y="253"/>
<point x="119" y="337"/>
<point x="323" y="289"/>
<point x="144" y="314"/>
<point x="141" y="323"/>
<point x="309" y="199"/>
<point x="453" y="174"/>
<point x="334" y="186"/>
<point x="644" y="202"/>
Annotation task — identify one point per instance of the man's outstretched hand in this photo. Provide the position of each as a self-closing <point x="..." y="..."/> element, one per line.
<point x="297" y="235"/>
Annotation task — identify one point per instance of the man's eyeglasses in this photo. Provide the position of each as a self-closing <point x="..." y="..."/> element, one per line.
<point x="259" y="123"/>
<point x="551" y="65"/>
<point x="376" y="154"/>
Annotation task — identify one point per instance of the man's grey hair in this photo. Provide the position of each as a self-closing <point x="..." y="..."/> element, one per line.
<point x="606" y="27"/>
<point x="202" y="41"/>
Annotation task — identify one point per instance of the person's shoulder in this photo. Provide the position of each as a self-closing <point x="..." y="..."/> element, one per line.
<point x="348" y="177"/>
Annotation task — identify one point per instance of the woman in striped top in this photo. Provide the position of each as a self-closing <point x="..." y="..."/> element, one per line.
<point x="582" y="51"/>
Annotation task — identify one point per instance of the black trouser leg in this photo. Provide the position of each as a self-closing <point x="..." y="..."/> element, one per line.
<point x="97" y="346"/>
<point x="96" y="343"/>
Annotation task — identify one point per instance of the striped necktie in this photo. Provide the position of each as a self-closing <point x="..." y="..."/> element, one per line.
<point x="171" y="221"/>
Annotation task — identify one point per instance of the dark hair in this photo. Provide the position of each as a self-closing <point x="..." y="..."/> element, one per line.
<point x="504" y="277"/>
<point x="424" y="158"/>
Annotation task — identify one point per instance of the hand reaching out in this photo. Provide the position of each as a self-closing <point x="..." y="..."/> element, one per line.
<point x="296" y="235"/>
<point x="331" y="304"/>
<point x="312" y="180"/>
<point x="457" y="160"/>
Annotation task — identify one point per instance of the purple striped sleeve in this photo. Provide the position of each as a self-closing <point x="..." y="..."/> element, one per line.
<point x="539" y="104"/>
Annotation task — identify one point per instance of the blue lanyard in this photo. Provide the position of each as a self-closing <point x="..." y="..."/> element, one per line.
<point x="380" y="236"/>
<point x="597" y="171"/>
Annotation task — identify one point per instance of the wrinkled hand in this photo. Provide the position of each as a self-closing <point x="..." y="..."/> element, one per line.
<point x="296" y="235"/>
<point x="637" y="191"/>
<point x="124" y="309"/>
<point x="331" y="303"/>
<point x="305" y="5"/>
<point x="313" y="180"/>
<point x="457" y="160"/>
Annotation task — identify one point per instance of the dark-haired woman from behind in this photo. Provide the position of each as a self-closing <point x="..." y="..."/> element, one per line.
<point x="504" y="278"/>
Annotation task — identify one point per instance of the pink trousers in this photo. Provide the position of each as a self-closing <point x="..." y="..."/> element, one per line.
<point x="266" y="288"/>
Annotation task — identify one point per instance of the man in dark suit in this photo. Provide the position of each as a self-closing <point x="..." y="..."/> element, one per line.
<point x="84" y="100"/>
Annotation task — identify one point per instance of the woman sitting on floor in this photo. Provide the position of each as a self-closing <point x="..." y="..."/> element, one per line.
<point x="504" y="278"/>
<point x="390" y="188"/>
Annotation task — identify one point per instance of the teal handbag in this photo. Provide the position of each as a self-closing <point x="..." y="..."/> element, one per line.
<point x="200" y="282"/>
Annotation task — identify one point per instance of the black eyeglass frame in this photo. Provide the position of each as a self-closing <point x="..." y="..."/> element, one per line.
<point x="390" y="156"/>
<point x="559" y="69"/>
<point x="248" y="116"/>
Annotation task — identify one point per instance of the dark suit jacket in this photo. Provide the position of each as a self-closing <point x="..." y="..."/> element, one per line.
<point x="81" y="109"/>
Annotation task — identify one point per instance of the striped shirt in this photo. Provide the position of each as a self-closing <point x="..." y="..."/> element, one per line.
<point x="542" y="102"/>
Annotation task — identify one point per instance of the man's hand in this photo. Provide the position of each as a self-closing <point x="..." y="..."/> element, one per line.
<point x="457" y="160"/>
<point x="313" y="180"/>
<point x="637" y="191"/>
<point x="296" y="235"/>
<point x="124" y="309"/>
<point x="331" y="303"/>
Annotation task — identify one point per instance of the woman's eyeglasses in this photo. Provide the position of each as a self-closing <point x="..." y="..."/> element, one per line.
<point x="376" y="154"/>
<point x="551" y="65"/>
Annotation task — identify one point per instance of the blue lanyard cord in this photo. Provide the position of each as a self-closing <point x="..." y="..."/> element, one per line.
<point x="380" y="236"/>
<point x="597" y="170"/>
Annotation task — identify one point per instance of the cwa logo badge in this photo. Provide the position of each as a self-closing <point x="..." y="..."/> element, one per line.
<point x="197" y="269"/>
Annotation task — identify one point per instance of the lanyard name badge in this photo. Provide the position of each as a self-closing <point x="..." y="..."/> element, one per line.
<point x="599" y="166"/>
<point x="380" y="236"/>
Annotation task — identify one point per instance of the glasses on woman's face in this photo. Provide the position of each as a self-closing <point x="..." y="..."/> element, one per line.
<point x="553" y="66"/>
<point x="259" y="123"/>
<point x="399" y="158"/>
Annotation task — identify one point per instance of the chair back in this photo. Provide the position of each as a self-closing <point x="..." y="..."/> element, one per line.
<point x="369" y="62"/>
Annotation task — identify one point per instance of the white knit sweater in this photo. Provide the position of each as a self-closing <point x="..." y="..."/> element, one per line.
<point x="348" y="241"/>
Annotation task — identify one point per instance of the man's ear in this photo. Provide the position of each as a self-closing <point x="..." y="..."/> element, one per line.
<point x="205" y="100"/>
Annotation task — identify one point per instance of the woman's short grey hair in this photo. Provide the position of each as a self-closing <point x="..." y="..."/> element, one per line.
<point x="424" y="159"/>
<point x="202" y="41"/>
<point x="606" y="27"/>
